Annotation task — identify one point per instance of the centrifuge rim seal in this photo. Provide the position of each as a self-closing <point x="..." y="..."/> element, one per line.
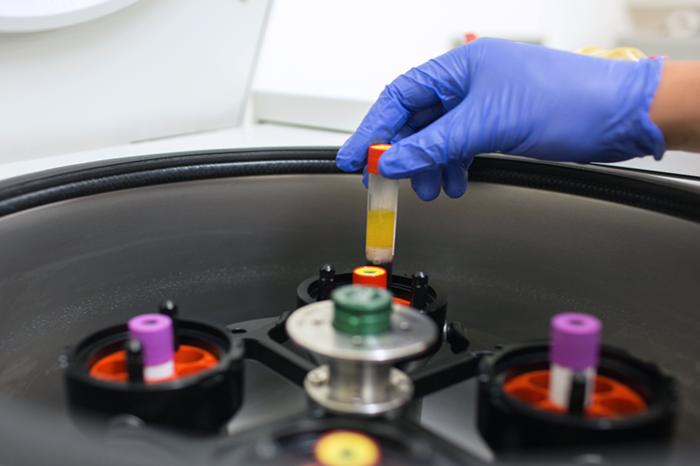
<point x="612" y="184"/>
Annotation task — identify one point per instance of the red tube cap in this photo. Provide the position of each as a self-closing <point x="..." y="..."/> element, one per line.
<point x="369" y="276"/>
<point x="375" y="151"/>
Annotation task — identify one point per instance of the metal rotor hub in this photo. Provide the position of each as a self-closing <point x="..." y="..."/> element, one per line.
<point x="359" y="378"/>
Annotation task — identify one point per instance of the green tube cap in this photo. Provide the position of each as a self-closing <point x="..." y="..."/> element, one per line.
<point x="362" y="310"/>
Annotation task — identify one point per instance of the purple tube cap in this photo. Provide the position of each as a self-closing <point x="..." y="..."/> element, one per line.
<point x="155" y="333"/>
<point x="575" y="340"/>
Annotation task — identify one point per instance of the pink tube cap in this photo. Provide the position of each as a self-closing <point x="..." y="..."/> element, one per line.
<point x="155" y="333"/>
<point x="575" y="340"/>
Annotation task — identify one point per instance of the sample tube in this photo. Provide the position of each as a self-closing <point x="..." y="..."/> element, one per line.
<point x="574" y="351"/>
<point x="155" y="333"/>
<point x="382" y="197"/>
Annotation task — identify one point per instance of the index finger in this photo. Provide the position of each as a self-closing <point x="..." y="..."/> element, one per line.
<point x="434" y="82"/>
<point x="384" y="119"/>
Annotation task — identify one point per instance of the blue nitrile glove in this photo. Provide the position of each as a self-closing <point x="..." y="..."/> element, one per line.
<point x="497" y="96"/>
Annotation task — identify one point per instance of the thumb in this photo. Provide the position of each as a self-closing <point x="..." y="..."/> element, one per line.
<point x="442" y="142"/>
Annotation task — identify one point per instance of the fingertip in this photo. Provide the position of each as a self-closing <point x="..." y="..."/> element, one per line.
<point x="387" y="164"/>
<point x="427" y="184"/>
<point x="345" y="165"/>
<point x="350" y="157"/>
<point x="403" y="160"/>
<point x="365" y="178"/>
<point x="455" y="176"/>
<point x="454" y="192"/>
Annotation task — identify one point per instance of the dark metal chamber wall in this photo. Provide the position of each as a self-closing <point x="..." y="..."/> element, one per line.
<point x="235" y="249"/>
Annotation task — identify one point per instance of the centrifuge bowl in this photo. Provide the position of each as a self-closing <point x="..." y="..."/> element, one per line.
<point x="229" y="236"/>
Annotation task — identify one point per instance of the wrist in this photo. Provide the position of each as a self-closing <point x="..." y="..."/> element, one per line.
<point x="675" y="108"/>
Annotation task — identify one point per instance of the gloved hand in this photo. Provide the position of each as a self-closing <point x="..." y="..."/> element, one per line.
<point x="497" y="96"/>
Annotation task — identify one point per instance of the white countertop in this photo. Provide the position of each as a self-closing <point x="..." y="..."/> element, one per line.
<point x="252" y="136"/>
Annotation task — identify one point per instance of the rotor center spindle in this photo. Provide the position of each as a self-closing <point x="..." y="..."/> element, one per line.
<point x="362" y="335"/>
<point x="352" y="381"/>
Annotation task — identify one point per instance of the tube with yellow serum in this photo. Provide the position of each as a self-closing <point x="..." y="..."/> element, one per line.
<point x="382" y="199"/>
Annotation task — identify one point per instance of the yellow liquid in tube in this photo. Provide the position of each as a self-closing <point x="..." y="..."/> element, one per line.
<point x="380" y="228"/>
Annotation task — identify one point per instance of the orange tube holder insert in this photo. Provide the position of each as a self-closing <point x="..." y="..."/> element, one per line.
<point x="189" y="360"/>
<point x="611" y="399"/>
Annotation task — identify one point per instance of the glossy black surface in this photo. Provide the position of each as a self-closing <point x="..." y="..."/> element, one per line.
<point x="235" y="249"/>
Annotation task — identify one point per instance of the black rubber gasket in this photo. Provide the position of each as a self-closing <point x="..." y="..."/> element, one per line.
<point x="622" y="186"/>
<point x="618" y="185"/>
<point x="100" y="177"/>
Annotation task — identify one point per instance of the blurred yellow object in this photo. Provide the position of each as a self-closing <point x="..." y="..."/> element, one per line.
<point x="621" y="53"/>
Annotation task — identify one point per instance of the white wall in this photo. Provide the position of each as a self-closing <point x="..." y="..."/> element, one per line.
<point x="352" y="48"/>
<point x="663" y="3"/>
<point x="155" y="69"/>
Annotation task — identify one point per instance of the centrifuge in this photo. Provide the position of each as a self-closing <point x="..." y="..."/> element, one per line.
<point x="246" y="246"/>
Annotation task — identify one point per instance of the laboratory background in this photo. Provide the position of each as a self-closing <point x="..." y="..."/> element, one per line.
<point x="302" y="64"/>
<point x="186" y="276"/>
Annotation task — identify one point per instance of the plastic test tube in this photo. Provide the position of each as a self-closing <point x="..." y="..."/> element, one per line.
<point x="155" y="333"/>
<point x="574" y="349"/>
<point x="382" y="198"/>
